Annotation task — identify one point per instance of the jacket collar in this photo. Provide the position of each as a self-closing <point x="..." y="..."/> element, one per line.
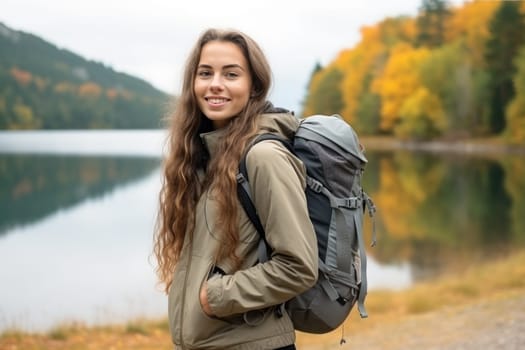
<point x="211" y="140"/>
<point x="276" y="120"/>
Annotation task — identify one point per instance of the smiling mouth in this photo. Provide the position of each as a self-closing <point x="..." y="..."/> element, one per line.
<point x="216" y="101"/>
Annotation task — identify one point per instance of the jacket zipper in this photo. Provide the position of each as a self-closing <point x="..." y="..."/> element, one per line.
<point x="183" y="346"/>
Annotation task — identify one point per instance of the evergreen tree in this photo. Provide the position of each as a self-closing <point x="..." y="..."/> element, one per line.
<point x="325" y="96"/>
<point x="317" y="68"/>
<point x="507" y="35"/>
<point x="431" y="22"/>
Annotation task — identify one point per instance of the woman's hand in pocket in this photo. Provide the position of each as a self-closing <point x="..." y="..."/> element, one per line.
<point x="203" y="296"/>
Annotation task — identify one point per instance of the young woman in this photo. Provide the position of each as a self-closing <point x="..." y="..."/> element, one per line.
<point x="220" y="296"/>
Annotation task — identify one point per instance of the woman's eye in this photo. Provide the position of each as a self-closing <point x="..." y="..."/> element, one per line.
<point x="231" y="75"/>
<point x="204" y="73"/>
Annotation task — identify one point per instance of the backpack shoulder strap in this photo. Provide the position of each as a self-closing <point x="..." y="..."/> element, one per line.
<point x="244" y="193"/>
<point x="263" y="137"/>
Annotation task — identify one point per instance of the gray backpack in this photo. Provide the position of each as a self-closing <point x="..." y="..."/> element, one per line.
<point x="334" y="160"/>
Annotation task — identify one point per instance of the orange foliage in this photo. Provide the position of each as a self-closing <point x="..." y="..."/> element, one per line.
<point x="471" y="24"/>
<point x="21" y="76"/>
<point x="111" y="94"/>
<point x="89" y="89"/>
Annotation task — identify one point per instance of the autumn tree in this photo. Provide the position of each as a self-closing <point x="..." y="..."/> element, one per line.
<point x="23" y="117"/>
<point x="422" y="116"/>
<point x="448" y="73"/>
<point x="515" y="116"/>
<point x="398" y="81"/>
<point x="507" y="34"/>
<point x="317" y="68"/>
<point x="363" y="104"/>
<point x="469" y="24"/>
<point x="325" y="93"/>
<point x="431" y="23"/>
<point x="359" y="66"/>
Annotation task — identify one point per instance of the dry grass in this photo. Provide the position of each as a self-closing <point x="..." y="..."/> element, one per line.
<point x="489" y="283"/>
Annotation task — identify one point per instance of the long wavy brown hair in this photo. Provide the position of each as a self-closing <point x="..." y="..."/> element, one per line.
<point x="186" y="156"/>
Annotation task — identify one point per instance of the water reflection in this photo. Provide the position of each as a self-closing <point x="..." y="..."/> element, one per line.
<point x="445" y="212"/>
<point x="76" y="229"/>
<point x="87" y="263"/>
<point x="35" y="186"/>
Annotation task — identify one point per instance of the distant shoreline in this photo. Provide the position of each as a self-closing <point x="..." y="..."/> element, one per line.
<point x="488" y="146"/>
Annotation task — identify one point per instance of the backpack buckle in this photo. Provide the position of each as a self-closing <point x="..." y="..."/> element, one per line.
<point x="240" y="178"/>
<point x="315" y="185"/>
<point x="352" y="202"/>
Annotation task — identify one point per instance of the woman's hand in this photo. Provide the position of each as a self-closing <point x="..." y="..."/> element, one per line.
<point x="203" y="296"/>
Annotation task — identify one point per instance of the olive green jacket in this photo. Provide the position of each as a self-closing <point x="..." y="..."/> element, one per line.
<point x="243" y="301"/>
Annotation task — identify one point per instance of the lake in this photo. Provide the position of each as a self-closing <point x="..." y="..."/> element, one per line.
<point x="77" y="210"/>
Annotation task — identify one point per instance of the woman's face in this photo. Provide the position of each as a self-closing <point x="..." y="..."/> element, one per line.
<point x="223" y="82"/>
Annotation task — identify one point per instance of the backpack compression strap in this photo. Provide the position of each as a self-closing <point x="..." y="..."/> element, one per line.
<point x="344" y="209"/>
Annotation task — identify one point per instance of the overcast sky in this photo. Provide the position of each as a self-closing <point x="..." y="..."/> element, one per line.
<point x="151" y="39"/>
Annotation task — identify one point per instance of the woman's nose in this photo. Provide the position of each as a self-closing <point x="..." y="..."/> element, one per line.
<point x="216" y="82"/>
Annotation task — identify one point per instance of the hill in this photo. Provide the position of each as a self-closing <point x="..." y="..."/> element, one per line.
<point x="46" y="87"/>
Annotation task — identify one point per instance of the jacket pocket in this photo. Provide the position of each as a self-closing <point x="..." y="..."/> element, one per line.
<point x="196" y="325"/>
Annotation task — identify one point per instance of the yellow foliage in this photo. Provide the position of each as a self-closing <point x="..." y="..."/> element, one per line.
<point x="471" y="23"/>
<point x="395" y="30"/>
<point x="399" y="80"/>
<point x="515" y="187"/>
<point x="515" y="130"/>
<point x="24" y="118"/>
<point x="382" y="75"/>
<point x="364" y="62"/>
<point x="422" y="115"/>
<point x="64" y="87"/>
<point x="3" y="105"/>
<point x="515" y="113"/>
<point x="358" y="63"/>
<point x="395" y="213"/>
<point x="405" y="184"/>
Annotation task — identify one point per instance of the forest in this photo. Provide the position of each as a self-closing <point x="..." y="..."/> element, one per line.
<point x="449" y="73"/>
<point x="45" y="87"/>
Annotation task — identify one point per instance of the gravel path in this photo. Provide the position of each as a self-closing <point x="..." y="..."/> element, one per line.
<point x="496" y="324"/>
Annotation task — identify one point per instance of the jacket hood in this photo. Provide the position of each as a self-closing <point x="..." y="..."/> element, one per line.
<point x="278" y="121"/>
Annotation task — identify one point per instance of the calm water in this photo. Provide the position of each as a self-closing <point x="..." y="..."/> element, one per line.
<point x="77" y="211"/>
